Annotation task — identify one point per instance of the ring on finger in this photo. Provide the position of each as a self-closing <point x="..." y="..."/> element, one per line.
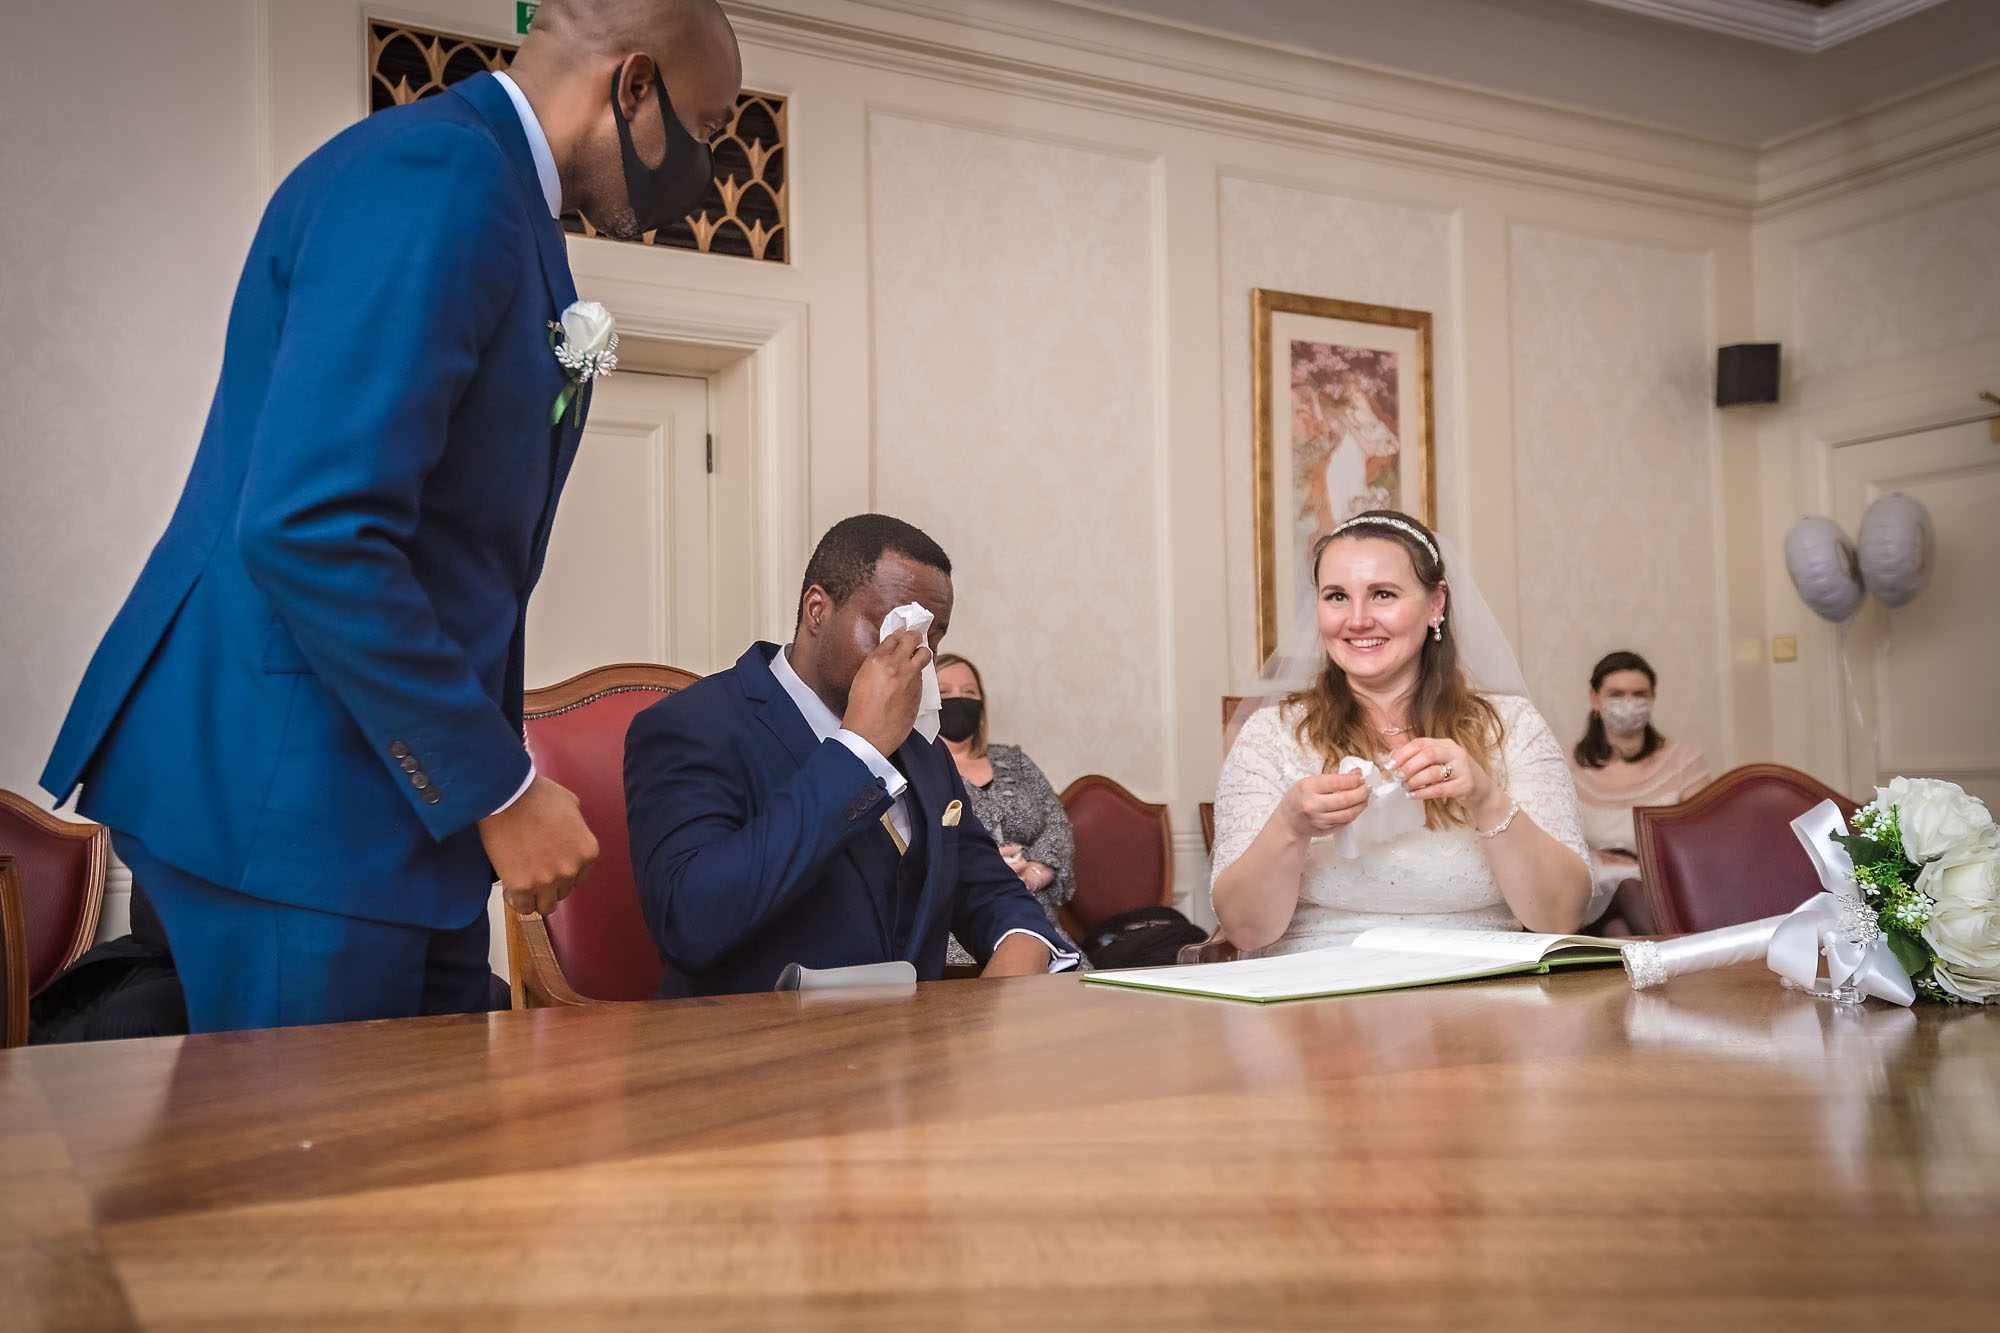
<point x="1447" y="772"/>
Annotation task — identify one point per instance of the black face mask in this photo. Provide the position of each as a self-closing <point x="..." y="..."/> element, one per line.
<point x="959" y="718"/>
<point x="663" y="195"/>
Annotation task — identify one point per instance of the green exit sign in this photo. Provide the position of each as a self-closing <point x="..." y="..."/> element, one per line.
<point x="524" y="16"/>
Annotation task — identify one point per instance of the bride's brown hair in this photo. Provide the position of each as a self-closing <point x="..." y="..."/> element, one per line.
<point x="1331" y="721"/>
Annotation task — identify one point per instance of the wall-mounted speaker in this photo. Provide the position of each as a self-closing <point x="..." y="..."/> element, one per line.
<point x="1746" y="373"/>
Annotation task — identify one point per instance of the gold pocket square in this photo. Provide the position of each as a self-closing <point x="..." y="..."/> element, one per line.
<point x="952" y="813"/>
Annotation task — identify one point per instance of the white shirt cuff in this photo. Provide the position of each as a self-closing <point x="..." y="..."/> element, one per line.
<point x="872" y="757"/>
<point x="526" y="783"/>
<point x="1060" y="960"/>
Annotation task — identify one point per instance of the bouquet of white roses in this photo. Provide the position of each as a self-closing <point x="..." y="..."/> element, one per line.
<point x="1927" y="861"/>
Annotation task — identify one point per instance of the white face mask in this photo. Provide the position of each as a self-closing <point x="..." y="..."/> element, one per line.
<point x="1626" y="716"/>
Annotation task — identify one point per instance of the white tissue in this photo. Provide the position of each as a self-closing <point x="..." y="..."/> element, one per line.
<point x="1390" y="813"/>
<point x="912" y="615"/>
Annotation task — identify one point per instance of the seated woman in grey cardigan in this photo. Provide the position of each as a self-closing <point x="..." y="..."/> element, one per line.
<point x="1011" y="796"/>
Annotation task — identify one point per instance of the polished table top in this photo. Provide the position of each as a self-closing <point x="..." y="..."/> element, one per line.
<point x="1550" y="1152"/>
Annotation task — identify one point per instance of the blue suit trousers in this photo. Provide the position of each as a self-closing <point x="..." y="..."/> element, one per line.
<point x="249" y="963"/>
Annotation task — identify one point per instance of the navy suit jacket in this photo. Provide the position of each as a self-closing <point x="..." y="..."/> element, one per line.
<point x="743" y="825"/>
<point x="313" y="692"/>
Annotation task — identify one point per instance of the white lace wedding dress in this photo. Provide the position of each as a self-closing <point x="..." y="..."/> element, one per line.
<point x="1426" y="878"/>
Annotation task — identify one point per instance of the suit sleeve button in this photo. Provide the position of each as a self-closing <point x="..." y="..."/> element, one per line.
<point x="431" y="796"/>
<point x="421" y="781"/>
<point x="399" y="750"/>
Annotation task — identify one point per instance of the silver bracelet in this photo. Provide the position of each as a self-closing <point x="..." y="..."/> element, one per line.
<point x="1513" y="808"/>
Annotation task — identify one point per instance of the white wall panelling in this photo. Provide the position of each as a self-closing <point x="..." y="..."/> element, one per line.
<point x="1616" y="472"/>
<point x="1016" y="331"/>
<point x="1904" y="285"/>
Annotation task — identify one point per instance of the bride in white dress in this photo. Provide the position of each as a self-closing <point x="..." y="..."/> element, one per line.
<point x="1502" y="845"/>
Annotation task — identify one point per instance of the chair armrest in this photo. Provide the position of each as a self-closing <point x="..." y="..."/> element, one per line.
<point x="1215" y="949"/>
<point x="1631" y="904"/>
<point x="538" y="980"/>
<point x="13" y="958"/>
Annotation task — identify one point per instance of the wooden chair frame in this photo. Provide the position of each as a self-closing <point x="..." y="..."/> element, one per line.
<point x="1067" y="919"/>
<point x="13" y="959"/>
<point x="1216" y="948"/>
<point x="97" y="866"/>
<point x="536" y="976"/>
<point x="1649" y="893"/>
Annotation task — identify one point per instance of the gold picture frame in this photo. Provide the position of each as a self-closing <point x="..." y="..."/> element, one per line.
<point x="1353" y="393"/>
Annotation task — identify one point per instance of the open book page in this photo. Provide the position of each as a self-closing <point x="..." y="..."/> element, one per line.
<point x="1507" y="946"/>
<point x="1338" y="971"/>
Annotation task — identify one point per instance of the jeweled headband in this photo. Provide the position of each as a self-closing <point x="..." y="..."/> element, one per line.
<point x="1377" y="520"/>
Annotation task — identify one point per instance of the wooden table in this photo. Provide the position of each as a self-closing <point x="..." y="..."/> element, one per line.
<point x="1549" y="1153"/>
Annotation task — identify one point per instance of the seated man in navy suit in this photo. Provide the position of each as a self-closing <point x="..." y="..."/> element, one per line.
<point x="787" y="811"/>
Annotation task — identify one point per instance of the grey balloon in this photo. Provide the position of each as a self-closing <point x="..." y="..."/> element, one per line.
<point x="1824" y="568"/>
<point x="1894" y="547"/>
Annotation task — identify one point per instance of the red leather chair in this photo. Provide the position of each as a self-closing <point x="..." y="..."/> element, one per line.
<point x="1124" y="853"/>
<point x="595" y="947"/>
<point x="1727" y="855"/>
<point x="59" y="866"/>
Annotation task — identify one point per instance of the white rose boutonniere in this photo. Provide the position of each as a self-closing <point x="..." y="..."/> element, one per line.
<point x="586" y="346"/>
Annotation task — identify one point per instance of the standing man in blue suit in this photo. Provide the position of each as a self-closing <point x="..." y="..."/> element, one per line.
<point x="303" y="727"/>
<point x="787" y="811"/>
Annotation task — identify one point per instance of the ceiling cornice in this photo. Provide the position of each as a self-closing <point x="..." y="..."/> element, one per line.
<point x="1783" y="23"/>
<point x="1062" y="52"/>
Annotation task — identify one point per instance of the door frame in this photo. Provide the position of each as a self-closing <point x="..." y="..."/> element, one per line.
<point x="1951" y="400"/>
<point x="771" y="335"/>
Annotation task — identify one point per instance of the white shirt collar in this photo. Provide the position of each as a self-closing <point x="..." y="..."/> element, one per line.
<point x="818" y="716"/>
<point x="538" y="145"/>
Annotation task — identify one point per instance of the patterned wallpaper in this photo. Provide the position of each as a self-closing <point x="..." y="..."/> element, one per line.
<point x="1912" y="282"/>
<point x="1331" y="245"/>
<point x="1015" y="354"/>
<point x="1612" y="435"/>
<point x="122" y="251"/>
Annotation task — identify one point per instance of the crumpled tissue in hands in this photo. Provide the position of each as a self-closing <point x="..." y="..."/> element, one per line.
<point x="1390" y="813"/>
<point x="913" y="616"/>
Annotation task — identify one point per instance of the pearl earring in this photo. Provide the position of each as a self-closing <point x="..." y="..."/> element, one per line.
<point x="1437" y="629"/>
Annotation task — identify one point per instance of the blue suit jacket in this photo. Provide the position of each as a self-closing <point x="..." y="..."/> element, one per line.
<point x="742" y="825"/>
<point x="313" y="692"/>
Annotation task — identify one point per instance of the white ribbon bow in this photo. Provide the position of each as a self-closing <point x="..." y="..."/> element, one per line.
<point x="1838" y="920"/>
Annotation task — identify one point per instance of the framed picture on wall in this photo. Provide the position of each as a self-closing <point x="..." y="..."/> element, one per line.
<point x="1341" y="423"/>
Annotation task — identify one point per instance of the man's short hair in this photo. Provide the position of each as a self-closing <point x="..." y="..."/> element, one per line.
<point x="845" y="558"/>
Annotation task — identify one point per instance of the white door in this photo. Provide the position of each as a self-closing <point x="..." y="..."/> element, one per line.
<point x="627" y="577"/>
<point x="1923" y="676"/>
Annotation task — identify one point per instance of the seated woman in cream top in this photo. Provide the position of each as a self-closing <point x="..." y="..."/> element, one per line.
<point x="1500" y="848"/>
<point x="1622" y="763"/>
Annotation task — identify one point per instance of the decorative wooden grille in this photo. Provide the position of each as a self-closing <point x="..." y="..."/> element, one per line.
<point x="744" y="212"/>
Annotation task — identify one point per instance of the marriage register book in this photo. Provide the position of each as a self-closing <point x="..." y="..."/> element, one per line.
<point x="1386" y="958"/>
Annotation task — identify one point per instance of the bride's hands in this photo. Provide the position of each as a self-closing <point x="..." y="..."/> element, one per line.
<point x="1441" y="770"/>
<point x="1319" y="804"/>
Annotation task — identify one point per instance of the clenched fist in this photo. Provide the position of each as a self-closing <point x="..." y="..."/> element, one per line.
<point x="539" y="846"/>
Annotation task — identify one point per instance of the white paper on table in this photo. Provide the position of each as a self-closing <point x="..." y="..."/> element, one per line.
<point x="1386" y="958"/>
<point x="913" y="616"/>
<point x="1390" y="813"/>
